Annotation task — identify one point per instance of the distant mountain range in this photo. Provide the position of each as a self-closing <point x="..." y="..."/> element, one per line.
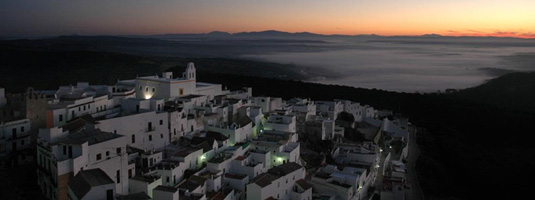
<point x="270" y="34"/>
<point x="282" y="34"/>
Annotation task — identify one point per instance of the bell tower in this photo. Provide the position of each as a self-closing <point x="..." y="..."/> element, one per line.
<point x="190" y="73"/>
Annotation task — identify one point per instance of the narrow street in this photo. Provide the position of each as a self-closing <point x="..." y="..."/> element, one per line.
<point x="416" y="191"/>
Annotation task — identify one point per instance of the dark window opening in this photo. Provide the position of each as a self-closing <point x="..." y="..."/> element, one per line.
<point x="109" y="194"/>
<point x="118" y="176"/>
<point x="70" y="151"/>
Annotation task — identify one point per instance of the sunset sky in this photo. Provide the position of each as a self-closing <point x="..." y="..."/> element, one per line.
<point x="514" y="18"/>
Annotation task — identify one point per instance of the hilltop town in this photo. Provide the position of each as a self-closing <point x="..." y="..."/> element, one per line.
<point x="172" y="137"/>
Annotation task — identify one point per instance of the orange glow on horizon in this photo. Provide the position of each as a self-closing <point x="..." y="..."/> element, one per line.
<point x="497" y="18"/>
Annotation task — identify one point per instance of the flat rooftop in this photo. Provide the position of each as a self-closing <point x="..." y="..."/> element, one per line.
<point x="90" y="136"/>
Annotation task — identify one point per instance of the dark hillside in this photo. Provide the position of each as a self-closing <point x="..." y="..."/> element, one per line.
<point x="48" y="70"/>
<point x="24" y="64"/>
<point x="512" y="91"/>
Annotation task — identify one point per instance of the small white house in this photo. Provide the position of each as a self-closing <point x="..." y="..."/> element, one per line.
<point x="279" y="183"/>
<point x="92" y="184"/>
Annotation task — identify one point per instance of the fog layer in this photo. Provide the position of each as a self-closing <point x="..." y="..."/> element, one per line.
<point x="417" y="64"/>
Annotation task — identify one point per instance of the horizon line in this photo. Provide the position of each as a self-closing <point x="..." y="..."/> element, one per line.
<point x="427" y="35"/>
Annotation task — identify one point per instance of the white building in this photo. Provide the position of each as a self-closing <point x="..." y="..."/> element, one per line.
<point x="394" y="131"/>
<point x="239" y="131"/>
<point x="83" y="99"/>
<point x="352" y="108"/>
<point x="144" y="184"/>
<point x="167" y="86"/>
<point x="280" y="182"/>
<point x="278" y="122"/>
<point x="349" y="181"/>
<point x="91" y="184"/>
<point x="267" y="104"/>
<point x="254" y="113"/>
<point x="171" y="171"/>
<point x="320" y="128"/>
<point x="394" y="181"/>
<point x="283" y="146"/>
<point x="64" y="151"/>
<point x="329" y="109"/>
<point x="191" y="157"/>
<point x="222" y="162"/>
<point x="304" y="106"/>
<point x="147" y="130"/>
<point x="14" y="140"/>
<point x="165" y="193"/>
<point x="237" y="182"/>
<point x="366" y="152"/>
